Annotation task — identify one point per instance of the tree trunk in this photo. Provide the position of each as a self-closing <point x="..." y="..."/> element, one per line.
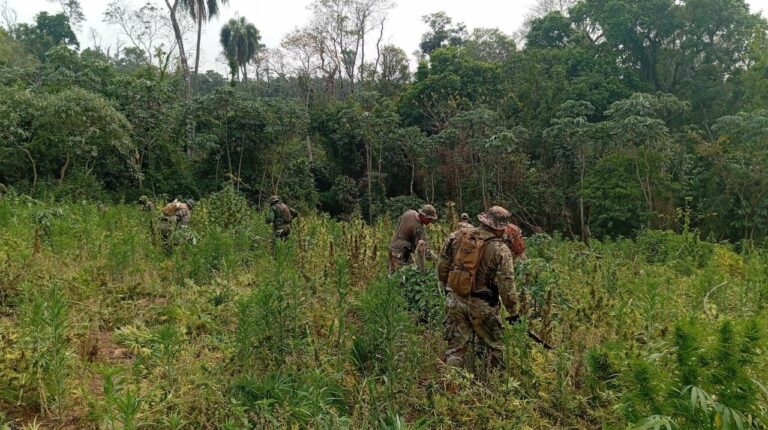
<point x="197" y="52"/>
<point x="179" y="39"/>
<point x="189" y="123"/>
<point x="63" y="170"/>
<point x="368" y="168"/>
<point x="32" y="163"/>
<point x="309" y="150"/>
<point x="240" y="162"/>
<point x="413" y="174"/>
<point x="378" y="50"/>
<point x="582" y="224"/>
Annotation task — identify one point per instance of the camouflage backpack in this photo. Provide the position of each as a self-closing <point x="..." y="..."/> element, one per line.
<point x="285" y="212"/>
<point x="170" y="208"/>
<point x="469" y="252"/>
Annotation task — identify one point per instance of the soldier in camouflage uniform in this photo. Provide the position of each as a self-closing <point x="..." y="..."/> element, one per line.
<point x="464" y="221"/>
<point x="281" y="216"/>
<point x="178" y="215"/>
<point x="146" y="204"/>
<point x="409" y="236"/>
<point x="479" y="312"/>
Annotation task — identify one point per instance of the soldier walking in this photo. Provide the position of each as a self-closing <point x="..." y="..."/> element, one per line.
<point x="464" y="221"/>
<point x="280" y="215"/>
<point x="410" y="236"/>
<point x="476" y="268"/>
<point x="146" y="204"/>
<point x="174" y="215"/>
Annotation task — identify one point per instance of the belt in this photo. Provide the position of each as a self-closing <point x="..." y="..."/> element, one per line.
<point x="487" y="296"/>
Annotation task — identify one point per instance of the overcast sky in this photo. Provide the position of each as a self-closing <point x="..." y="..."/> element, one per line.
<point x="276" y="18"/>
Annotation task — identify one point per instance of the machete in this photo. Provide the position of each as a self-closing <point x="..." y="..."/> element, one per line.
<point x="533" y="336"/>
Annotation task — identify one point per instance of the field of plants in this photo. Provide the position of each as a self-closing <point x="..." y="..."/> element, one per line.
<point x="99" y="328"/>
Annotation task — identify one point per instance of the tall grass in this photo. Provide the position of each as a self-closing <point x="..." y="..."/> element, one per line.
<point x="667" y="330"/>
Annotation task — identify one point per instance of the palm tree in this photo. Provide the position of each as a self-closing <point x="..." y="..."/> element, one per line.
<point x="201" y="10"/>
<point x="241" y="41"/>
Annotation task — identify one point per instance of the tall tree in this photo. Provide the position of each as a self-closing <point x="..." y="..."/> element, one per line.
<point x="574" y="133"/>
<point x="241" y="41"/>
<point x="49" y="31"/>
<point x="200" y="11"/>
<point x="441" y="33"/>
<point x="145" y="29"/>
<point x="72" y="10"/>
<point x="173" y="9"/>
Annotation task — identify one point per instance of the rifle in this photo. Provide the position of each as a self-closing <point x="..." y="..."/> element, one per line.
<point x="533" y="336"/>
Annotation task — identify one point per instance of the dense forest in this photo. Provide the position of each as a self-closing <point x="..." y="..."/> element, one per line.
<point x="629" y="139"/>
<point x="598" y="118"/>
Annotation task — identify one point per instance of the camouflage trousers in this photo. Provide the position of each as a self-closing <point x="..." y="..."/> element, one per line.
<point x="398" y="259"/>
<point x="467" y="315"/>
<point x="281" y="233"/>
<point x="167" y="225"/>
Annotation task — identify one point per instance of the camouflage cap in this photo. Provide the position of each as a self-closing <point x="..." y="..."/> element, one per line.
<point x="273" y="199"/>
<point x="428" y="211"/>
<point x="464" y="216"/>
<point x="190" y="203"/>
<point x="496" y="217"/>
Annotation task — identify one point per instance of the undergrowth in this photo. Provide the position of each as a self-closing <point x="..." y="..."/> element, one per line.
<point x="99" y="328"/>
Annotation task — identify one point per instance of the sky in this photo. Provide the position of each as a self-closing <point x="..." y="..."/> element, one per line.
<point x="274" y="19"/>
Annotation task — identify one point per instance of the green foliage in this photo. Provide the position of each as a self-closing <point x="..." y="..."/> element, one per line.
<point x="222" y="333"/>
<point x="48" y="356"/>
<point x="380" y="347"/>
<point x="614" y="197"/>
<point x="226" y="209"/>
<point x="423" y="294"/>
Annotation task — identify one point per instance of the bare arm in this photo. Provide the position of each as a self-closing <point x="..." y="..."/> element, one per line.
<point x="505" y="280"/>
<point x="445" y="260"/>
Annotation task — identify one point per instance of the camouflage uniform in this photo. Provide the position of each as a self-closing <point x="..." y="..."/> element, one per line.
<point x="280" y="216"/>
<point x="409" y="235"/>
<point x="479" y="312"/>
<point x="146" y="204"/>
<point x="180" y="218"/>
<point x="464" y="221"/>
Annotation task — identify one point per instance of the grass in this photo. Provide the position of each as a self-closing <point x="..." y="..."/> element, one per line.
<point x="99" y="328"/>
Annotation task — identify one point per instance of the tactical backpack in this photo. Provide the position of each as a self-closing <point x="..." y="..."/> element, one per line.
<point x="469" y="252"/>
<point x="170" y="208"/>
<point x="285" y="213"/>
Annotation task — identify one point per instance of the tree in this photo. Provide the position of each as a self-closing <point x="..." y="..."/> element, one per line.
<point x="201" y="10"/>
<point x="79" y="129"/>
<point x="441" y="33"/>
<point x="733" y="177"/>
<point x="393" y="73"/>
<point x="574" y="134"/>
<point x="17" y="108"/>
<point x="450" y="82"/>
<point x="147" y="31"/>
<point x="687" y="48"/>
<point x="553" y="30"/>
<point x="173" y="10"/>
<point x="72" y="10"/>
<point x="9" y="17"/>
<point x="241" y="41"/>
<point x="490" y="44"/>
<point x="638" y="126"/>
<point x="49" y="31"/>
